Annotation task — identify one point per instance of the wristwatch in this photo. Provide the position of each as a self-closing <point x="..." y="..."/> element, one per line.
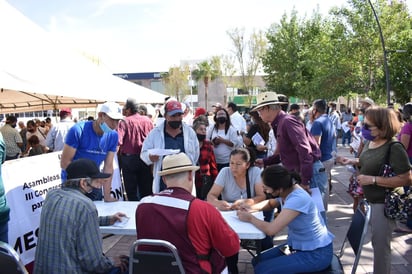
<point x="374" y="181"/>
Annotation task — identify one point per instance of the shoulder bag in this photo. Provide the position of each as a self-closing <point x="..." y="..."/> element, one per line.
<point x="398" y="201"/>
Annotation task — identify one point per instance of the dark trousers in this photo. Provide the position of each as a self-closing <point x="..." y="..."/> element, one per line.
<point x="137" y="177"/>
<point x="12" y="157"/>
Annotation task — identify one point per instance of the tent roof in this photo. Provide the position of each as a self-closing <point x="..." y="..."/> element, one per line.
<point x="39" y="73"/>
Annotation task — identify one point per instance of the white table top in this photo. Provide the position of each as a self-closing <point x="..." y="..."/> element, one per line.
<point x="244" y="230"/>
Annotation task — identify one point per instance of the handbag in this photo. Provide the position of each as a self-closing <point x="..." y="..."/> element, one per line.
<point x="398" y="201"/>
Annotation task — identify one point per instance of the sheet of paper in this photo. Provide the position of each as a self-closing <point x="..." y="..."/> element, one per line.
<point x="122" y="223"/>
<point x="163" y="152"/>
<point x="257" y="139"/>
<point x="317" y="198"/>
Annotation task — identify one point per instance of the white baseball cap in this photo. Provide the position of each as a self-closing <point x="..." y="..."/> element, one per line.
<point x="113" y="110"/>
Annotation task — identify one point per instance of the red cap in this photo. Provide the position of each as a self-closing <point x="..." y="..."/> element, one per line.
<point x="200" y="111"/>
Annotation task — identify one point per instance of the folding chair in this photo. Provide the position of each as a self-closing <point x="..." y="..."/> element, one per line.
<point x="142" y="261"/>
<point x="355" y="236"/>
<point x="10" y="261"/>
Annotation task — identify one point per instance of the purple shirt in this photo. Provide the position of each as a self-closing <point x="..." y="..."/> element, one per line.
<point x="407" y="130"/>
<point x="297" y="148"/>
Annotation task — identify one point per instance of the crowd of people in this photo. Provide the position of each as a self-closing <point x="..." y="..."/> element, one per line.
<point x="269" y="161"/>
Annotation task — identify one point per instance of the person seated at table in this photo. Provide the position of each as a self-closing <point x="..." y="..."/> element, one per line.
<point x="69" y="239"/>
<point x="238" y="184"/>
<point x="194" y="226"/>
<point x="309" y="243"/>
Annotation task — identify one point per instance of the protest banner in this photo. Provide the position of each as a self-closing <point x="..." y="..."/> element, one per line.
<point x="27" y="182"/>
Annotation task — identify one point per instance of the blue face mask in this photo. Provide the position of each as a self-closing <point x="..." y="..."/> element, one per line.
<point x="360" y="118"/>
<point x="105" y="128"/>
<point x="366" y="133"/>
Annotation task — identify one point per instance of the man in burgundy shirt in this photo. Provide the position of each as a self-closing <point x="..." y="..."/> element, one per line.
<point x="194" y="226"/>
<point x="296" y="149"/>
<point x="137" y="176"/>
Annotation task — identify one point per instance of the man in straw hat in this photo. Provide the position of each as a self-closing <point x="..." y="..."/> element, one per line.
<point x="194" y="226"/>
<point x="296" y="149"/>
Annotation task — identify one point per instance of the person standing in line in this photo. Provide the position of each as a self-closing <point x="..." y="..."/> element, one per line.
<point x="57" y="133"/>
<point x="133" y="130"/>
<point x="33" y="128"/>
<point x="12" y="138"/>
<point x="322" y="130"/>
<point x="23" y="134"/>
<point x="237" y="120"/>
<point x="380" y="127"/>
<point x="171" y="133"/>
<point x="96" y="140"/>
<point x="4" y="208"/>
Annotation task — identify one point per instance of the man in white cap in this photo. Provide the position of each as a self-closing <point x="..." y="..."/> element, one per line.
<point x="96" y="140"/>
<point x="194" y="226"/>
<point x="171" y="133"/>
<point x="69" y="239"/>
<point x="296" y="148"/>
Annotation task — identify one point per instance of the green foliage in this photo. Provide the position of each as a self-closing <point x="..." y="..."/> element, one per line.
<point x="342" y="53"/>
<point x="176" y="82"/>
<point x="207" y="71"/>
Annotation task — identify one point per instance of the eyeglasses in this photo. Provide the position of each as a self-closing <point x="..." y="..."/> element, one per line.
<point x="368" y="126"/>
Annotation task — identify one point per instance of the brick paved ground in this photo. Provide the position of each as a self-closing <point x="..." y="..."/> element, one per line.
<point x="339" y="216"/>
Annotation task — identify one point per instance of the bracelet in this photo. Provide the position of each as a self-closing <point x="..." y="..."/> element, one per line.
<point x="374" y="181"/>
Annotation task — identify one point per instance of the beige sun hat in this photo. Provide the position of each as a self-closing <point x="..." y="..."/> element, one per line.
<point x="367" y="100"/>
<point x="270" y="98"/>
<point x="176" y="163"/>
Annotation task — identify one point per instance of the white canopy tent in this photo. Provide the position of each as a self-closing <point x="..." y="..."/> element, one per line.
<point x="39" y="73"/>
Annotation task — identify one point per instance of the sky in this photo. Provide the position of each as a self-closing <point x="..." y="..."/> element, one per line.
<point x="128" y="36"/>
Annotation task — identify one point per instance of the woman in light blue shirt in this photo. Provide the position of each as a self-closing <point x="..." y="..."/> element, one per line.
<point x="309" y="244"/>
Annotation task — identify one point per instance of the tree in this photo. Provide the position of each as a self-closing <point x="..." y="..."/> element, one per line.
<point x="248" y="55"/>
<point x="207" y="71"/>
<point x="175" y="82"/>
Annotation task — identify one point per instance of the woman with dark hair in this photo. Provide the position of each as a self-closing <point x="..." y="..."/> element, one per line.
<point x="309" y="243"/>
<point x="239" y="184"/>
<point x="257" y="135"/>
<point x="224" y="138"/>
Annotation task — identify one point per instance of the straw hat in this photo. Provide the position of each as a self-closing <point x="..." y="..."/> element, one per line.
<point x="367" y="100"/>
<point x="270" y="98"/>
<point x="176" y="163"/>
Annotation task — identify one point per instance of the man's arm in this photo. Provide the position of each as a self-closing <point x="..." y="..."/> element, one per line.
<point x="67" y="156"/>
<point x="107" y="185"/>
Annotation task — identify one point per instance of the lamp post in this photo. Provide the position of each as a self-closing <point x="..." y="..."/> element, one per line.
<point x="385" y="56"/>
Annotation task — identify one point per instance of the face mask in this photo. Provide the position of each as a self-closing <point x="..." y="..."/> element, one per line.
<point x="30" y="130"/>
<point x="360" y="118"/>
<point x="221" y="120"/>
<point x="89" y="184"/>
<point x="201" y="137"/>
<point x="13" y="126"/>
<point x="366" y="133"/>
<point x="174" y="124"/>
<point x="105" y="128"/>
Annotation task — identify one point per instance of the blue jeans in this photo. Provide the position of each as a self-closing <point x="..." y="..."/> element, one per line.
<point x="320" y="179"/>
<point x="346" y="136"/>
<point x="275" y="261"/>
<point x="4" y="232"/>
